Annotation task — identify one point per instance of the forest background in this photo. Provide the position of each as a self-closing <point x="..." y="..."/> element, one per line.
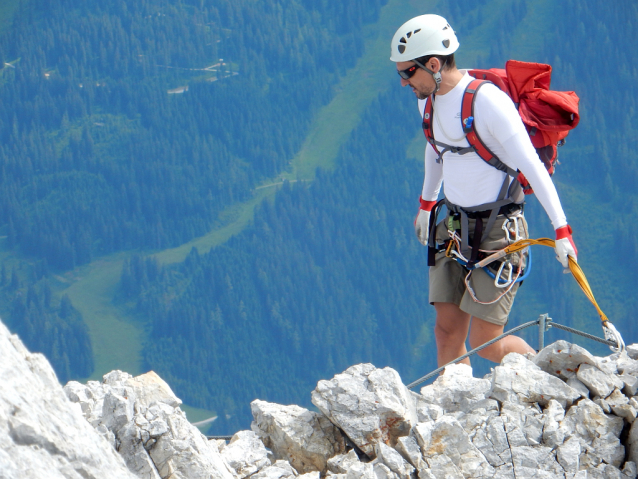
<point x="223" y="191"/>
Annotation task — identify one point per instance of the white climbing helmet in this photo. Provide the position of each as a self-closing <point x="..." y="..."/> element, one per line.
<point x="423" y="35"/>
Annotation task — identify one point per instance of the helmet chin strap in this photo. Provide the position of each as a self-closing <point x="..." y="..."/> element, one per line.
<point x="436" y="76"/>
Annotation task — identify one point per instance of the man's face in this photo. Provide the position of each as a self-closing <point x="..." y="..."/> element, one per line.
<point x="422" y="83"/>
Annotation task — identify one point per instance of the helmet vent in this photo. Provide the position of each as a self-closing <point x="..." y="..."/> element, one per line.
<point x="417" y="31"/>
<point x="409" y="34"/>
<point x="403" y="40"/>
<point x="401" y="48"/>
<point x="446" y="43"/>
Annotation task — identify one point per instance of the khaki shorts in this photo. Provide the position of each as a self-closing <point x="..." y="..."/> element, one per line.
<point x="447" y="277"/>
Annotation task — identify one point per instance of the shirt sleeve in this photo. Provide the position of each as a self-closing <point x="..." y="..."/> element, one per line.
<point x="433" y="175"/>
<point x="528" y="162"/>
<point x="506" y="126"/>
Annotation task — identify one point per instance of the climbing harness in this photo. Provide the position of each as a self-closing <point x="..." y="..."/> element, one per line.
<point x="506" y="275"/>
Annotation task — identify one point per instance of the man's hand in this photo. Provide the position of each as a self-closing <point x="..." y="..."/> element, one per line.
<point x="422" y="221"/>
<point x="565" y="246"/>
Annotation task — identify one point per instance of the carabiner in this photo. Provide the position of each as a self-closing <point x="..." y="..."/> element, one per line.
<point x="500" y="271"/>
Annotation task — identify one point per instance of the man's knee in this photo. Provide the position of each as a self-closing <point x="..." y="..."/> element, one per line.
<point x="451" y="323"/>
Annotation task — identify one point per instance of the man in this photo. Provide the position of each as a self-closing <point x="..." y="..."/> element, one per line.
<point x="423" y="50"/>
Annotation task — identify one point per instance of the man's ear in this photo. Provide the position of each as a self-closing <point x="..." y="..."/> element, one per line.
<point x="434" y="64"/>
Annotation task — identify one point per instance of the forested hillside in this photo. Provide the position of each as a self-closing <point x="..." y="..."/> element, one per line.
<point x="134" y="124"/>
<point x="130" y="126"/>
<point x="98" y="157"/>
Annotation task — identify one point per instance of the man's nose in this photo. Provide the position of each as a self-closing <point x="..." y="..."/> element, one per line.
<point x="404" y="82"/>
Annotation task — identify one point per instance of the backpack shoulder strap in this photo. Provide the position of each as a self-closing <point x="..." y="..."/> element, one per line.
<point x="469" y="128"/>
<point x="428" y="127"/>
<point x="428" y="130"/>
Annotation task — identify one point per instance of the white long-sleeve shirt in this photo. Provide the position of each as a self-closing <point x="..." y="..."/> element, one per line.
<point x="469" y="180"/>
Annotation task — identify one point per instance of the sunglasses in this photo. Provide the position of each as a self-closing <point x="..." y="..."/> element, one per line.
<point x="408" y="72"/>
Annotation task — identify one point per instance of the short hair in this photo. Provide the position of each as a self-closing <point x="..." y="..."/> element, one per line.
<point x="447" y="61"/>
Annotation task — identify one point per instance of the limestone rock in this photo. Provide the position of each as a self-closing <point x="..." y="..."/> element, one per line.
<point x="519" y="379"/>
<point x="304" y="438"/>
<point x="150" y="431"/>
<point x="553" y="435"/>
<point x="446" y="437"/>
<point x="410" y="450"/>
<point x="245" y="454"/>
<point x="279" y="470"/>
<point x="370" y="405"/>
<point x="562" y="359"/>
<point x="394" y="461"/>
<point x="42" y="433"/>
<point x="598" y="382"/>
<point x="456" y="389"/>
<point x="568" y="455"/>
<point x="632" y="351"/>
<point x="361" y="470"/>
<point x="341" y="463"/>
<point x="579" y="386"/>
<point x="631" y="384"/>
<point x="597" y="432"/>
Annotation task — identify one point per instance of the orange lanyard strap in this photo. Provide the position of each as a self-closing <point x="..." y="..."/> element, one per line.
<point x="573" y="267"/>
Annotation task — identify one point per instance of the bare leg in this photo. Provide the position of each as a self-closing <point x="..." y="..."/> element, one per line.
<point x="450" y="331"/>
<point x="482" y="332"/>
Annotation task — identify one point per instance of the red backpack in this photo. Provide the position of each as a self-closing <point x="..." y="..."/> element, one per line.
<point x="548" y="115"/>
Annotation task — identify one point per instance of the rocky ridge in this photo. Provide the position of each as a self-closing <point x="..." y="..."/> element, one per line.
<point x="561" y="414"/>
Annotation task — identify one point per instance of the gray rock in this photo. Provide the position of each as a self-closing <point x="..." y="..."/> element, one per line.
<point x="341" y="463"/>
<point x="381" y="471"/>
<point x="361" y="470"/>
<point x="142" y="414"/>
<point x="245" y="454"/>
<point x="598" y="382"/>
<point x="479" y="415"/>
<point x="370" y="405"/>
<point x="568" y="455"/>
<point x="279" y="470"/>
<point x="442" y="466"/>
<point x="597" y="432"/>
<point x="304" y="438"/>
<point x="456" y="389"/>
<point x="310" y="475"/>
<point x="631" y="384"/>
<point x="632" y="443"/>
<point x="447" y="437"/>
<point x="394" y="461"/>
<point x="621" y="406"/>
<point x="630" y="470"/>
<point x="562" y="359"/>
<point x="632" y="351"/>
<point x="577" y="384"/>
<point x="553" y="435"/>
<point x="42" y="433"/>
<point x="520" y="380"/>
<point x="409" y="449"/>
<point x="535" y="462"/>
<point x="426" y="412"/>
<point x="491" y="450"/>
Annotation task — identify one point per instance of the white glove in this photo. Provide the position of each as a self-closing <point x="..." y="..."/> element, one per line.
<point x="422" y="226"/>
<point x="565" y="246"/>
<point x="422" y="221"/>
